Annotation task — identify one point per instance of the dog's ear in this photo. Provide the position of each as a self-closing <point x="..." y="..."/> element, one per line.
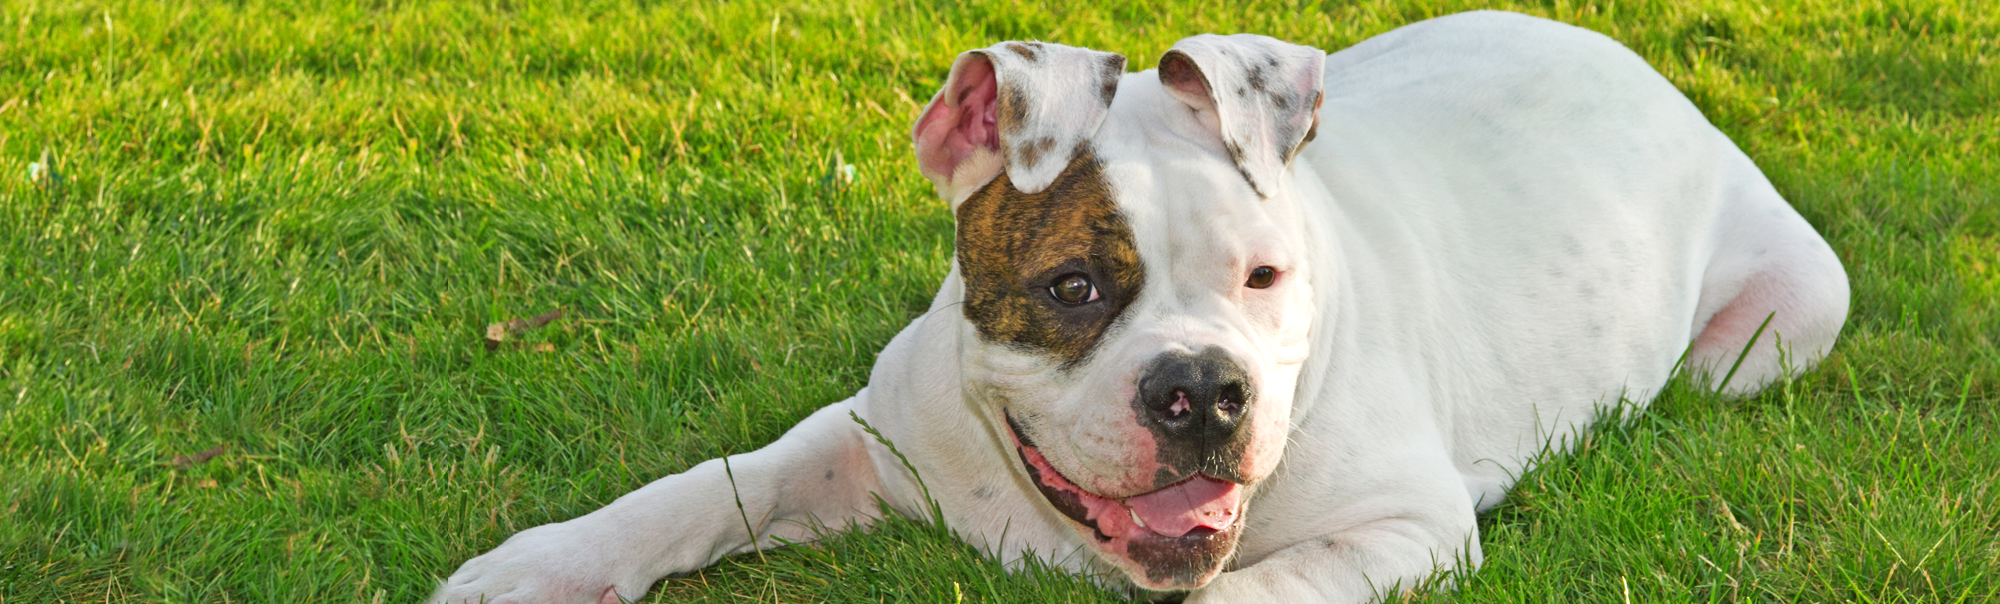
<point x="1022" y="106"/>
<point x="1261" y="96"/>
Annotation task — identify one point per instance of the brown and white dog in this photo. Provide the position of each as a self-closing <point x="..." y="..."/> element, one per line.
<point x="1264" y="324"/>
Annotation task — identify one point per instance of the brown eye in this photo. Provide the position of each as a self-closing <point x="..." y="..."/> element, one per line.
<point x="1261" y="277"/>
<point x="1073" y="289"/>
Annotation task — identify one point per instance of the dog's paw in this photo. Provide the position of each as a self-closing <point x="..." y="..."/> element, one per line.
<point x="549" y="564"/>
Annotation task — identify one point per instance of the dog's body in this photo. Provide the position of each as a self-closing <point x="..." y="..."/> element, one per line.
<point x="1178" y="340"/>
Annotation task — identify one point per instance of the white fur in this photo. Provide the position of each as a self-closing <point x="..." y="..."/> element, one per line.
<point x="1503" y="225"/>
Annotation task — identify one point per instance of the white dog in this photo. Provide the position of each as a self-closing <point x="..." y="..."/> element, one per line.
<point x="1264" y="324"/>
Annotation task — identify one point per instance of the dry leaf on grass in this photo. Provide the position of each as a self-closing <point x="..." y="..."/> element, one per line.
<point x="194" y="459"/>
<point x="496" y="334"/>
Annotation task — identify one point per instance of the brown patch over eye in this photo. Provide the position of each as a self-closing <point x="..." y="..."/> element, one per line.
<point x="1261" y="277"/>
<point x="1048" y="271"/>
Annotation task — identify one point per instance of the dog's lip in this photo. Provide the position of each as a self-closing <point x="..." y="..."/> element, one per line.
<point x="1114" y="518"/>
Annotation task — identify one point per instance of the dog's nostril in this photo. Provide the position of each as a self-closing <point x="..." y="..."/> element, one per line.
<point x="1231" y="400"/>
<point x="1180" y="404"/>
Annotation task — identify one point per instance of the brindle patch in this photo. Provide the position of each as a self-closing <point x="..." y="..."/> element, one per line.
<point x="1013" y="246"/>
<point x="1030" y="153"/>
<point x="1256" y="81"/>
<point x="1012" y="109"/>
<point x="1029" y="51"/>
<point x="1109" y="73"/>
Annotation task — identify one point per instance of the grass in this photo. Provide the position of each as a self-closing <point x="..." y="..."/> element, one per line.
<point x="282" y="227"/>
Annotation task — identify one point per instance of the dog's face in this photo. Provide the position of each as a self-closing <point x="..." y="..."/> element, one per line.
<point x="1136" y="294"/>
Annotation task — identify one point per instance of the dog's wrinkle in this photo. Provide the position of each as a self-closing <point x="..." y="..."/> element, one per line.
<point x="1019" y="434"/>
<point x="1066" y="454"/>
<point x="1069" y="504"/>
<point x="1080" y="460"/>
<point x="1014" y="361"/>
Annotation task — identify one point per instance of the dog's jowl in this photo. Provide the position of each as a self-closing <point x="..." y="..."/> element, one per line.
<point x="1263" y="324"/>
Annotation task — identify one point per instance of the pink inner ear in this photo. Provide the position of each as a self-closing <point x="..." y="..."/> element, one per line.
<point x="962" y="125"/>
<point x="1185" y="81"/>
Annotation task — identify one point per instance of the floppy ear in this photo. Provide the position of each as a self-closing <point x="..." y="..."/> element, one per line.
<point x="1260" y="95"/>
<point x="1021" y="106"/>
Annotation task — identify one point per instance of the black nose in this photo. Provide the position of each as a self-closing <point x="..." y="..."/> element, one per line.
<point x="1198" y="400"/>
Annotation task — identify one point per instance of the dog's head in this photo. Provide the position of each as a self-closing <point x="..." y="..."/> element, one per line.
<point x="1136" y="292"/>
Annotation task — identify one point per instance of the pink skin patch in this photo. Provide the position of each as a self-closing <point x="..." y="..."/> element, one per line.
<point x="1180" y="404"/>
<point x="967" y="122"/>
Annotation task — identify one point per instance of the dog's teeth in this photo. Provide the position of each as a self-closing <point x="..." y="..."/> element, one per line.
<point x="1135" y="518"/>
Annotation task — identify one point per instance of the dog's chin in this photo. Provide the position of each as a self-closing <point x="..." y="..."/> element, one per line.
<point x="1179" y="553"/>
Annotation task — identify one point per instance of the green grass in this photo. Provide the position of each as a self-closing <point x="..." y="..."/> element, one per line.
<point x="283" y="227"/>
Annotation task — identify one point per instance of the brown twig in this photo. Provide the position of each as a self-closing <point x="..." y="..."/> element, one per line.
<point x="496" y="334"/>
<point x="195" y="459"/>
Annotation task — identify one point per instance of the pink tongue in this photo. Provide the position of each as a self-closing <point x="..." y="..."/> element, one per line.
<point x="1175" y="510"/>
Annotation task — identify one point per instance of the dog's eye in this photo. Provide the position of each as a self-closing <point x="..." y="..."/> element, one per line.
<point x="1261" y="277"/>
<point x="1073" y="289"/>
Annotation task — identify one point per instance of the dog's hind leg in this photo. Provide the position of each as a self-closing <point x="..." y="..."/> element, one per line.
<point x="1773" y="279"/>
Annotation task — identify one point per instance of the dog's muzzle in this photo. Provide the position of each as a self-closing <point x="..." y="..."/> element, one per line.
<point x="1173" y="537"/>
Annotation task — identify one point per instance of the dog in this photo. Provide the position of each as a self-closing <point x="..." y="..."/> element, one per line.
<point x="1263" y="324"/>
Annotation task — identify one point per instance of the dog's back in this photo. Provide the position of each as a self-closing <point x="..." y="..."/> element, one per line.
<point x="1572" y="219"/>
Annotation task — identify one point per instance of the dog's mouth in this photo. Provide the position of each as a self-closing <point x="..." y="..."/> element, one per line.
<point x="1175" y="537"/>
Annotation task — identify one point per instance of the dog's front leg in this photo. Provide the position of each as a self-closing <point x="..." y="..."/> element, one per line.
<point x="1397" y="519"/>
<point x="1361" y="565"/>
<point x="818" y="472"/>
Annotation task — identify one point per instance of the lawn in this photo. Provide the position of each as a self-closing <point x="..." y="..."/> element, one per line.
<point x="249" y="250"/>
